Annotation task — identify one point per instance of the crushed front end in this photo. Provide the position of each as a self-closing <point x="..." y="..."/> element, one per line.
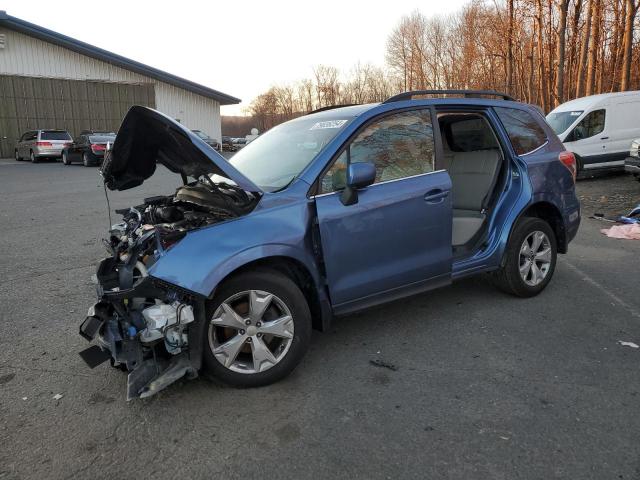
<point x="143" y="325"/>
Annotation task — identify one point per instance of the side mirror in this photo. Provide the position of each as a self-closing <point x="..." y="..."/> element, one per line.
<point x="359" y="175"/>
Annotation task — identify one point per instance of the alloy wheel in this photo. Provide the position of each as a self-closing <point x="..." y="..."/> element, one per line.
<point x="535" y="258"/>
<point x="251" y="331"/>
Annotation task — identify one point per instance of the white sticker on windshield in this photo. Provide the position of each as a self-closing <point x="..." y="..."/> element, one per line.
<point x="575" y="114"/>
<point x="328" y="124"/>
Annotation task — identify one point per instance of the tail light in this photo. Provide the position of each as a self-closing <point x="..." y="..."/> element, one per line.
<point x="569" y="161"/>
<point x="44" y="144"/>
<point x="98" y="148"/>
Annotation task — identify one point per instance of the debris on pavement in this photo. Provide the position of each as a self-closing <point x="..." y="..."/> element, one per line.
<point x="381" y="363"/>
<point x="57" y="396"/>
<point x="628" y="344"/>
<point x="628" y="231"/>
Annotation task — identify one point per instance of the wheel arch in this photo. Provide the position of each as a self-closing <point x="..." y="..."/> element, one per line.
<point x="301" y="275"/>
<point x="551" y="214"/>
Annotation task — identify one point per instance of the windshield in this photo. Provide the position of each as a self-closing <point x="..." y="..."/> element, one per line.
<point x="275" y="158"/>
<point x="560" y="121"/>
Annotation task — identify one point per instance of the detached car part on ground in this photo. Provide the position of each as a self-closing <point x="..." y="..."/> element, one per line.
<point x="229" y="274"/>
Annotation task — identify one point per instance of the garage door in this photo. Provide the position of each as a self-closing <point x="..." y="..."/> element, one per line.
<point x="28" y="103"/>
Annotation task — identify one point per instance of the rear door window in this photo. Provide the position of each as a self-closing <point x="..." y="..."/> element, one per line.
<point x="54" y="135"/>
<point x="524" y="131"/>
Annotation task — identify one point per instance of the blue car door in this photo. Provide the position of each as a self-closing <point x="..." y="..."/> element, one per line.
<point x="397" y="236"/>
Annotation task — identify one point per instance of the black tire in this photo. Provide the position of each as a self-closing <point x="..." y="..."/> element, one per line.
<point x="65" y="158"/>
<point x="18" y="157"/>
<point x="508" y="278"/>
<point x="287" y="291"/>
<point x="32" y="157"/>
<point x="86" y="161"/>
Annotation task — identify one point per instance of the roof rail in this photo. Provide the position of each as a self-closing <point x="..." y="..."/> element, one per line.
<point x="331" y="107"/>
<point x="464" y="93"/>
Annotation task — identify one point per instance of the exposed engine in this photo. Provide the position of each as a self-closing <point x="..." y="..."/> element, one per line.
<point x="141" y="324"/>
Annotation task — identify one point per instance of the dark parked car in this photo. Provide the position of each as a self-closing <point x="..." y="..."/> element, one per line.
<point x="207" y="139"/>
<point x="88" y="148"/>
<point x="330" y="213"/>
<point x="38" y="144"/>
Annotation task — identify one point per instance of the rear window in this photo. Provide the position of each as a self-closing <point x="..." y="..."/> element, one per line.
<point x="525" y="133"/>
<point x="101" y="138"/>
<point x="54" y="135"/>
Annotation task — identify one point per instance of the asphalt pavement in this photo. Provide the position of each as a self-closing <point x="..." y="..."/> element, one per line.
<point x="475" y="384"/>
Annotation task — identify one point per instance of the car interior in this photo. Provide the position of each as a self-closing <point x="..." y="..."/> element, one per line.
<point x="474" y="160"/>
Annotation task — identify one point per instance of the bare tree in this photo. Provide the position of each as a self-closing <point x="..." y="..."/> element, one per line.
<point x="632" y="10"/>
<point x="563" y="7"/>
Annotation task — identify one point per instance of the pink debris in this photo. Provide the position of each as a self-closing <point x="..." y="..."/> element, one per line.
<point x="629" y="232"/>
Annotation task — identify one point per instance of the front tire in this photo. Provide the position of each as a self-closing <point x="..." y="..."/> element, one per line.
<point x="530" y="259"/>
<point x="258" y="329"/>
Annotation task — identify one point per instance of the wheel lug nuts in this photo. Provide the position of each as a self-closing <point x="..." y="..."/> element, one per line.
<point x="259" y="324"/>
<point x="241" y="332"/>
<point x="248" y="322"/>
<point x="259" y="335"/>
<point x="249" y="340"/>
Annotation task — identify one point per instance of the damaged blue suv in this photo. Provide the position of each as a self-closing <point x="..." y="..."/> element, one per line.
<point x="333" y="212"/>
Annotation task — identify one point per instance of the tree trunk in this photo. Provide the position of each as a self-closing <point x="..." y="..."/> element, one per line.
<point x="541" y="64"/>
<point x="632" y="9"/>
<point x="563" y="6"/>
<point x="593" y="49"/>
<point x="510" y="47"/>
<point x="582" y="62"/>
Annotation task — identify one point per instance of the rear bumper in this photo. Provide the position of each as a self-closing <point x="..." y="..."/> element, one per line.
<point x="47" y="151"/>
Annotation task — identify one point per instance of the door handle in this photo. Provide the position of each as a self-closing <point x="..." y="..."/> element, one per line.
<point x="435" y="196"/>
<point x="604" y="138"/>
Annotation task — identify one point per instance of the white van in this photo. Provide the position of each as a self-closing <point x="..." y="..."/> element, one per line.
<point x="598" y="129"/>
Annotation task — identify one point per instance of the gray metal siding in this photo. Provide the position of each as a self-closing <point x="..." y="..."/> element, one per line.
<point x="28" y="103"/>
<point x="30" y="57"/>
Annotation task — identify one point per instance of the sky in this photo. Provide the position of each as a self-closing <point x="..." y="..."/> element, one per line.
<point x="238" y="47"/>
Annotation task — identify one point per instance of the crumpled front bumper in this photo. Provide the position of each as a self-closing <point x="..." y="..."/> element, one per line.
<point x="116" y="336"/>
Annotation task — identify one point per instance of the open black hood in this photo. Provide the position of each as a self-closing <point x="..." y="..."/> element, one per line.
<point x="147" y="137"/>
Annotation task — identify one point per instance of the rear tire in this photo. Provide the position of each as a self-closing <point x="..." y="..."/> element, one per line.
<point x="86" y="161"/>
<point x="234" y="350"/>
<point x="530" y="259"/>
<point x="65" y="158"/>
<point x="32" y="157"/>
<point x="18" y="158"/>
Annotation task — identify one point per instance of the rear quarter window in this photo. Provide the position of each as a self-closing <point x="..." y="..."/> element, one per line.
<point x="524" y="131"/>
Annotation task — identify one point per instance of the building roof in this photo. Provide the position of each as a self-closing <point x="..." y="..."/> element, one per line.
<point x="83" y="48"/>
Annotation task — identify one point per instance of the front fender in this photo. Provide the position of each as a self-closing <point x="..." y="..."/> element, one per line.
<point x="201" y="260"/>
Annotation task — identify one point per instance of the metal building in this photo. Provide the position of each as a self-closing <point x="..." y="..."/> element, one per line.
<point x="49" y="80"/>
